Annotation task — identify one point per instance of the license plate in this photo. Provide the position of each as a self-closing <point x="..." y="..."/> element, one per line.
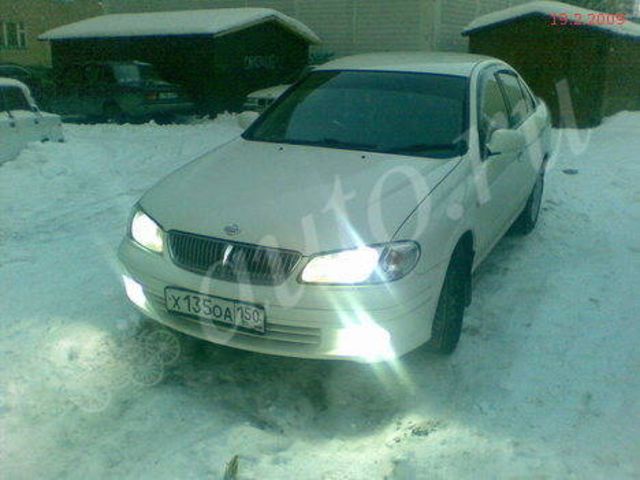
<point x="167" y="96"/>
<point x="210" y="309"/>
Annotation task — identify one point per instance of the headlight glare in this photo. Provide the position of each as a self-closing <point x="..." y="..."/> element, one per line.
<point x="368" y="264"/>
<point x="348" y="266"/>
<point x="147" y="232"/>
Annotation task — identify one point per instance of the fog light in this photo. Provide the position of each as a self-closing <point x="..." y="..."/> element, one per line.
<point x="371" y="343"/>
<point x="135" y="292"/>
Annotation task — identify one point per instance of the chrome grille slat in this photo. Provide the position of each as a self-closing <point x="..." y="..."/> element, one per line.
<point x="246" y="263"/>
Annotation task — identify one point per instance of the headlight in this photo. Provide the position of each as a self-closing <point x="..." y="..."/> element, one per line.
<point x="146" y="232"/>
<point x="369" y="264"/>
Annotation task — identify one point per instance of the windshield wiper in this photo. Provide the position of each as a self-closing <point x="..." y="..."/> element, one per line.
<point x="334" y="142"/>
<point x="322" y="142"/>
<point x="424" y="147"/>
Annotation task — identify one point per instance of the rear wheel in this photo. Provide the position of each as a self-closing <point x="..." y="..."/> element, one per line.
<point x="447" y="323"/>
<point x="113" y="113"/>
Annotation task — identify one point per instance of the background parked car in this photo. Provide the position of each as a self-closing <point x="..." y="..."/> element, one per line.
<point x="28" y="76"/>
<point x="117" y="91"/>
<point x="21" y="121"/>
<point x="260" y="100"/>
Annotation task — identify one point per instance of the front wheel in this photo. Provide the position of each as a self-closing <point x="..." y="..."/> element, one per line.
<point x="447" y="322"/>
<point x="528" y="219"/>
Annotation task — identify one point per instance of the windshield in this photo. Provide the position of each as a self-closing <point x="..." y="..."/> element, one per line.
<point x="134" y="73"/>
<point x="388" y="112"/>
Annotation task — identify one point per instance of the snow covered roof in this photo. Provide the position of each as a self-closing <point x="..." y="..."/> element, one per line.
<point x="215" y="22"/>
<point x="548" y="9"/>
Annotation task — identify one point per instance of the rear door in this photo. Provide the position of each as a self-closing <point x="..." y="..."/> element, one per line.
<point x="96" y="89"/>
<point x="8" y="131"/>
<point x="521" y="118"/>
<point x="69" y="82"/>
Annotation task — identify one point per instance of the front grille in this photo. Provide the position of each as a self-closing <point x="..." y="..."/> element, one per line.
<point x="231" y="261"/>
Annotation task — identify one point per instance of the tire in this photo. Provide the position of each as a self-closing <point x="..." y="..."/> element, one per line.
<point x="447" y="322"/>
<point x="528" y="219"/>
<point x="112" y="113"/>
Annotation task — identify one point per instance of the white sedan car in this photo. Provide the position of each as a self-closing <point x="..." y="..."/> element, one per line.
<point x="21" y="121"/>
<point x="260" y="100"/>
<point x="346" y="222"/>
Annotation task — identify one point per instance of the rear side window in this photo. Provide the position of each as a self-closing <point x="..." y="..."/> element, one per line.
<point x="494" y="114"/>
<point x="15" y="100"/>
<point x="530" y="99"/>
<point x="519" y="107"/>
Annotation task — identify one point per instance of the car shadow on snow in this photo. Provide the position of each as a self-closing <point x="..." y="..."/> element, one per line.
<point x="283" y="395"/>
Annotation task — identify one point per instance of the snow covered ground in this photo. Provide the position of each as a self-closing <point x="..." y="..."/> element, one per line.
<point x="545" y="382"/>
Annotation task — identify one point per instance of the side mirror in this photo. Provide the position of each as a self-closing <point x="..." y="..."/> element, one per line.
<point x="245" y="119"/>
<point x="505" y="141"/>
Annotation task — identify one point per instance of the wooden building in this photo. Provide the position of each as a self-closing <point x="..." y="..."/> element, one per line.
<point x="217" y="55"/>
<point x="584" y="72"/>
<point x="357" y="26"/>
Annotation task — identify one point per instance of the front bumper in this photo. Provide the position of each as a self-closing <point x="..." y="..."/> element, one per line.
<point x="361" y="323"/>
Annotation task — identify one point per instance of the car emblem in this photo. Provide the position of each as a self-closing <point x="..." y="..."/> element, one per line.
<point x="232" y="230"/>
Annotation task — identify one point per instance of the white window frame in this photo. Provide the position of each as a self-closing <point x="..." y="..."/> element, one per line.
<point x="21" y="35"/>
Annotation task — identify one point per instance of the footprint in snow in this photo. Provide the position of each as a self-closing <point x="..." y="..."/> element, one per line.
<point x="51" y="171"/>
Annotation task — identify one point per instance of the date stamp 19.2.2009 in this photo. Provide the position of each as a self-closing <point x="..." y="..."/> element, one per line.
<point x="587" y="19"/>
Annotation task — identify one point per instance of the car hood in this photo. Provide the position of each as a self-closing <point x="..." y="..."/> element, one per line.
<point x="303" y="198"/>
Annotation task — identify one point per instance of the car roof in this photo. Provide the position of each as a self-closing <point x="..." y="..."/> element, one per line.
<point x="444" y="63"/>
<point x="13" y="66"/>
<point x="10" y="82"/>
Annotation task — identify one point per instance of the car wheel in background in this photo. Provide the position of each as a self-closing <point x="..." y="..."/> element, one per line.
<point x="112" y="113"/>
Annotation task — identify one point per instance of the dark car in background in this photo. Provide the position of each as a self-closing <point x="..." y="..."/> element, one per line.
<point x="118" y="91"/>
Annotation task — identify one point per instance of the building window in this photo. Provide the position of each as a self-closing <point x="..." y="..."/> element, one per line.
<point x="13" y="35"/>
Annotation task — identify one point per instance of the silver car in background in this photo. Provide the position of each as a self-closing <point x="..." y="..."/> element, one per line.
<point x="21" y="121"/>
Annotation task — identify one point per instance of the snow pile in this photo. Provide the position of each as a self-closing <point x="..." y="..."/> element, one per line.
<point x="547" y="9"/>
<point x="216" y="22"/>
<point x="544" y="383"/>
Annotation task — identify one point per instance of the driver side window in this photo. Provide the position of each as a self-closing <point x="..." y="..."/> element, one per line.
<point x="492" y="112"/>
